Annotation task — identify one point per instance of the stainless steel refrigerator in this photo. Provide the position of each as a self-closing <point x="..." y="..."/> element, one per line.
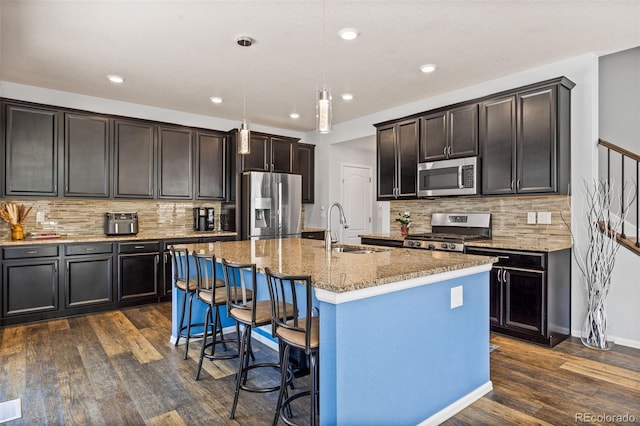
<point x="271" y="205"/>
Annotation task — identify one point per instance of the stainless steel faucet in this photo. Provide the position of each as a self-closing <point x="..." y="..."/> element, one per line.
<point x="328" y="239"/>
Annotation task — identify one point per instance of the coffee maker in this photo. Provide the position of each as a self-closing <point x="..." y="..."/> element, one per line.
<point x="203" y="219"/>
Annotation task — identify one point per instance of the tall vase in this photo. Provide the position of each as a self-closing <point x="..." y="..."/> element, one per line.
<point x="594" y="328"/>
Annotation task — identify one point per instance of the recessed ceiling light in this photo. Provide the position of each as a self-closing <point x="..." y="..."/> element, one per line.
<point x="294" y="115"/>
<point x="115" y="78"/>
<point x="427" y="68"/>
<point x="348" y="33"/>
<point x="216" y="99"/>
<point x="347" y="96"/>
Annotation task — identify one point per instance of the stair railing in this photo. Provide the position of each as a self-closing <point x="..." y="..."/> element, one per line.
<point x="625" y="154"/>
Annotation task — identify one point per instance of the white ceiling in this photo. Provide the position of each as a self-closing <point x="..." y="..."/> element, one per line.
<point x="176" y="54"/>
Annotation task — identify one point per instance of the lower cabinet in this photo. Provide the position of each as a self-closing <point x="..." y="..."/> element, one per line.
<point x="530" y="294"/>
<point x="381" y="242"/>
<point x="138" y="270"/>
<point x="30" y="283"/>
<point x="88" y="274"/>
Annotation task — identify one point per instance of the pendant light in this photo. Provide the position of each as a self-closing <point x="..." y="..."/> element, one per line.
<point x="244" y="145"/>
<point x="323" y="94"/>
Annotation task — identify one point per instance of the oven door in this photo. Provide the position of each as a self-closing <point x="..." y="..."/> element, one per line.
<point x="448" y="177"/>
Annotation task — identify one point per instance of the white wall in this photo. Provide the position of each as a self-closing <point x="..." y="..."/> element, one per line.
<point x="619" y="110"/>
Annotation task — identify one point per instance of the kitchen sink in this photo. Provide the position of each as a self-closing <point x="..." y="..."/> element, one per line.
<point x="342" y="248"/>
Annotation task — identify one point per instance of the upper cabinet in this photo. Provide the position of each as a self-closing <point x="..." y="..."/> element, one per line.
<point x="450" y="133"/>
<point x="525" y="137"/>
<point x="30" y="150"/>
<point x="211" y="165"/>
<point x="175" y="162"/>
<point x="134" y="148"/>
<point x="306" y="167"/>
<point x="397" y="151"/>
<point x="270" y="153"/>
<point x="87" y="156"/>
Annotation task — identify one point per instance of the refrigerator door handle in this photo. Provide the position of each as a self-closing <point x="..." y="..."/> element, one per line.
<point x="279" y="209"/>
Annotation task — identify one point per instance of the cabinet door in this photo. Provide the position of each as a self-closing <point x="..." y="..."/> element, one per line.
<point x="462" y="132"/>
<point x="211" y="152"/>
<point x="407" y="146"/>
<point x="87" y="159"/>
<point x="496" y="301"/>
<point x="386" y="146"/>
<point x="31" y="151"/>
<point x="134" y="154"/>
<point x="306" y="167"/>
<point x="89" y="280"/>
<point x="138" y="276"/>
<point x="536" y="156"/>
<point x="175" y="163"/>
<point x="284" y="155"/>
<point x="498" y="138"/>
<point x="433" y="143"/>
<point x="29" y="286"/>
<point x="524" y="300"/>
<point x="257" y="159"/>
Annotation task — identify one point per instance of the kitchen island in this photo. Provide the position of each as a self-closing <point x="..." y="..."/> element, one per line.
<point x="404" y="334"/>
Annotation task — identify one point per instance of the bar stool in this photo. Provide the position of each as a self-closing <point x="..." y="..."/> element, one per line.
<point x="243" y="306"/>
<point x="186" y="284"/>
<point x="214" y="295"/>
<point x="295" y="326"/>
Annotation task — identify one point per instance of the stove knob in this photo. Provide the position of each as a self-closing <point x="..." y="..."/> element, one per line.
<point x="444" y="245"/>
<point x="431" y="247"/>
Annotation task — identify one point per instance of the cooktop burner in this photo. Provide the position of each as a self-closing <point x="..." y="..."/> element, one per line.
<point x="451" y="231"/>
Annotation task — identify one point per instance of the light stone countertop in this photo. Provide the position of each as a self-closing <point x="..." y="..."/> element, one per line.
<point x="340" y="272"/>
<point x="67" y="239"/>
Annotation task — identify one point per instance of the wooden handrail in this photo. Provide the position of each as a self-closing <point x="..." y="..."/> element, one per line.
<point x="619" y="150"/>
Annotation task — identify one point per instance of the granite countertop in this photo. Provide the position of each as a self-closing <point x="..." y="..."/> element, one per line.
<point x="65" y="239"/>
<point x="340" y="272"/>
<point x="527" y="243"/>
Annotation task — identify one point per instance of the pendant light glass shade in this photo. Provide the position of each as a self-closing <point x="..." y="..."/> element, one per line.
<point x="323" y="110"/>
<point x="244" y="147"/>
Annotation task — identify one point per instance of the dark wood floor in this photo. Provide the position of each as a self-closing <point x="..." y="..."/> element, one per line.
<point x="119" y="368"/>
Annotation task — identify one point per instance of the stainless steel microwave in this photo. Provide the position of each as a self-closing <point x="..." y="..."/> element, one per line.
<point x="459" y="176"/>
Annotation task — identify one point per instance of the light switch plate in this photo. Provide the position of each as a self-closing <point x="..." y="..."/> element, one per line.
<point x="39" y="217"/>
<point x="531" y="218"/>
<point x="456" y="296"/>
<point x="544" y="218"/>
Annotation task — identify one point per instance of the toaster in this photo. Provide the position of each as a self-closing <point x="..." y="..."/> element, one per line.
<point x="121" y="223"/>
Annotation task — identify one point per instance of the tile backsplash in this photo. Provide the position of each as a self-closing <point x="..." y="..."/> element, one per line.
<point x="508" y="214"/>
<point x="85" y="218"/>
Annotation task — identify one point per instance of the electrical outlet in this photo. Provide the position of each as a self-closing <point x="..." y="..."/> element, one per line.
<point x="39" y="217"/>
<point x="456" y="296"/>
<point x="531" y="218"/>
<point x="544" y="218"/>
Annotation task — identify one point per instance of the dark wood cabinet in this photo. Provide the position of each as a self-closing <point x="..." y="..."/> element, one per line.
<point x="530" y="294"/>
<point x="138" y="271"/>
<point x="30" y="283"/>
<point x="449" y="133"/>
<point x="397" y="152"/>
<point x="134" y="152"/>
<point x="211" y="166"/>
<point x="306" y="167"/>
<point x="272" y="153"/>
<point x="87" y="156"/>
<point x="88" y="274"/>
<point x="175" y="163"/>
<point x="525" y="138"/>
<point x="30" y="150"/>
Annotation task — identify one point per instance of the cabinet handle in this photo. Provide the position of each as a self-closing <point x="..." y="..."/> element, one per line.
<point x="32" y="251"/>
<point x="511" y="186"/>
<point x="444" y="151"/>
<point x="89" y="249"/>
<point x="157" y="258"/>
<point x="518" y="185"/>
<point x="448" y="151"/>
<point x="138" y="247"/>
<point x="503" y="257"/>
<point x="504" y="275"/>
<point x="164" y="257"/>
<point x="498" y="277"/>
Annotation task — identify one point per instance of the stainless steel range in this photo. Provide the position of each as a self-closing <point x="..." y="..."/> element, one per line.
<point x="451" y="230"/>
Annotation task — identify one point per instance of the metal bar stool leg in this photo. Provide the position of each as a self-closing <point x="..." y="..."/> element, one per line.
<point x="204" y="340"/>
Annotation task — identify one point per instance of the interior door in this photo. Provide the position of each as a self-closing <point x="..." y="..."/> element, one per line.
<point x="356" y="193"/>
